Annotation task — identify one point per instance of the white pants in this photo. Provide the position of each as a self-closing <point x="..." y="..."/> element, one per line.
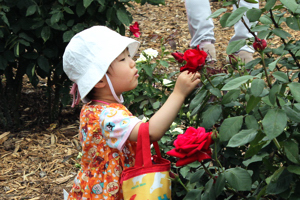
<point x="202" y="29"/>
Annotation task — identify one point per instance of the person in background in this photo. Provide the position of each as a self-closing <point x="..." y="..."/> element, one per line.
<point x="202" y="29"/>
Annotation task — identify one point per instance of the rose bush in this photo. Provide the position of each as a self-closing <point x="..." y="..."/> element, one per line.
<point x="192" y="146"/>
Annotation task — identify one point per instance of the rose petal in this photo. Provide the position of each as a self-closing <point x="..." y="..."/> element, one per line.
<point x="175" y="153"/>
<point x="187" y="160"/>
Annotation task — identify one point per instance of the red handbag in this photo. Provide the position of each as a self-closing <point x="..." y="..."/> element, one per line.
<point x="149" y="178"/>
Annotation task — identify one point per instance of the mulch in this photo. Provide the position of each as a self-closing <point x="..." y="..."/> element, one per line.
<point x="40" y="161"/>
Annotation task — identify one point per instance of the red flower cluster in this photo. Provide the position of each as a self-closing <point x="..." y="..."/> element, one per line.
<point x="191" y="146"/>
<point x="135" y="30"/>
<point x="259" y="44"/>
<point x="195" y="59"/>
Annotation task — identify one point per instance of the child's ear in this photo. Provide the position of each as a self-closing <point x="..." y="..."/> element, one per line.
<point x="100" y="84"/>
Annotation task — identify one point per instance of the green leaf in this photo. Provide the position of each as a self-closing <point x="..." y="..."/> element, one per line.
<point x="281" y="33"/>
<point x="273" y="64"/>
<point x="192" y="194"/>
<point x="230" y="127"/>
<point x="281" y="76"/>
<point x="156" y="105"/>
<point x="235" y="46"/>
<point x="211" y="116"/>
<point x="219" y="185"/>
<point x="184" y="171"/>
<point x="242" y="137"/>
<point x="55" y="17"/>
<point x="31" y="10"/>
<point x="295" y="90"/>
<point x="273" y="93"/>
<point x="280" y="184"/>
<point x="292" y="114"/>
<point x="4" y="18"/>
<point x="236" y="16"/>
<point x="123" y="17"/>
<point x="198" y="99"/>
<point x="265" y="20"/>
<point x="230" y="96"/>
<point x="67" y="36"/>
<point x="217" y="13"/>
<point x="223" y="19"/>
<point x="255" y="158"/>
<point x="237" y="82"/>
<point x="294" y="169"/>
<point x="270" y="4"/>
<point x="257" y="86"/>
<point x="45" y="34"/>
<point x="291" y="150"/>
<point x="80" y="9"/>
<point x="239" y="179"/>
<point x="290" y="4"/>
<point x="251" y="1"/>
<point x="195" y="177"/>
<point x="164" y="63"/>
<point x="253" y="14"/>
<point x="260" y="28"/>
<point x="254" y="148"/>
<point x="216" y="92"/>
<point x="274" y="122"/>
<point x="251" y="103"/>
<point x="292" y="22"/>
<point x="251" y="122"/>
<point x="43" y="64"/>
<point x="87" y="3"/>
<point x="68" y="10"/>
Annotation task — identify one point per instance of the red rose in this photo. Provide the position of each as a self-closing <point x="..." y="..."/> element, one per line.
<point x="259" y="44"/>
<point x="178" y="56"/>
<point x="134" y="29"/>
<point x="195" y="59"/>
<point x="191" y="146"/>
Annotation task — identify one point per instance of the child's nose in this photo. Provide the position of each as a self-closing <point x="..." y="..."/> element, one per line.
<point x="132" y="63"/>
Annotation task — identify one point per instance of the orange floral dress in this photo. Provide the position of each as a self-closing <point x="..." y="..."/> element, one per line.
<point x="103" y="133"/>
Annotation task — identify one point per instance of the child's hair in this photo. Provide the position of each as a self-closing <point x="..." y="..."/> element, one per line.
<point x="89" y="54"/>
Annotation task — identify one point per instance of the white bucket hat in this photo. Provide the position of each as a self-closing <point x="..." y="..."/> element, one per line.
<point x="89" y="54"/>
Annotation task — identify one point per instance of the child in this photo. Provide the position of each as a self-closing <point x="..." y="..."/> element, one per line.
<point x="100" y="63"/>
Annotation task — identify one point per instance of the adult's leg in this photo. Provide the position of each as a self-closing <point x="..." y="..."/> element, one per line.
<point x="241" y="32"/>
<point x="201" y="28"/>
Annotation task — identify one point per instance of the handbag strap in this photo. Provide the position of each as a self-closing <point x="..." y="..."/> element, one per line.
<point x="143" y="152"/>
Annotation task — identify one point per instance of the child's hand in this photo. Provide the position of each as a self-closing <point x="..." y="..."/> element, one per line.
<point x="186" y="82"/>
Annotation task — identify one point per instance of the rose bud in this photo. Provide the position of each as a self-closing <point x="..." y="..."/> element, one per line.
<point x="233" y="60"/>
<point x="215" y="135"/>
<point x="178" y="56"/>
<point x="135" y="30"/>
<point x="173" y="176"/>
<point x="259" y="44"/>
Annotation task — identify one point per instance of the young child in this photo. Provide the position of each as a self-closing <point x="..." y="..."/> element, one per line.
<point x="100" y="63"/>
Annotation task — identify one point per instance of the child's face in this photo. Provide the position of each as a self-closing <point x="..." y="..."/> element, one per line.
<point x="123" y="73"/>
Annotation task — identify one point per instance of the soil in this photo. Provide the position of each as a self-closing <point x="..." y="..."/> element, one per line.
<point x="40" y="161"/>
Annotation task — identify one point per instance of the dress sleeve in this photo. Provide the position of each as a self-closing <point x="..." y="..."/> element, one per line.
<point x="116" y="126"/>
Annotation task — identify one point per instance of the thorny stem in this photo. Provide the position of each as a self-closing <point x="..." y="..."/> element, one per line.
<point x="207" y="171"/>
<point x="209" y="80"/>
<point x="216" y="157"/>
<point x="183" y="185"/>
<point x="265" y="69"/>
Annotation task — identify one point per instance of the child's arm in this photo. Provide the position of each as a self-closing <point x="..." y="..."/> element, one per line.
<point x="160" y="122"/>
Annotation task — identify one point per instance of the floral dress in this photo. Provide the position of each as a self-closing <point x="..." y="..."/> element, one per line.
<point x="103" y="133"/>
